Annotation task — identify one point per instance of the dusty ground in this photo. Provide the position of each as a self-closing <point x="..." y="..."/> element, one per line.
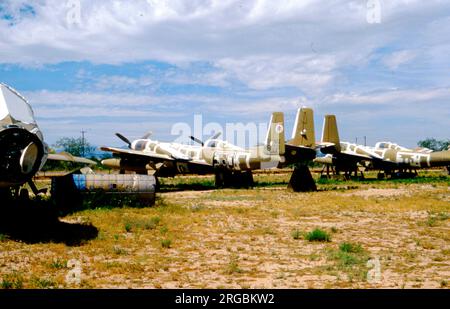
<point x="247" y="239"/>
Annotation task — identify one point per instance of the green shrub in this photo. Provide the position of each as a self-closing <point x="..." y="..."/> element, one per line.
<point x="58" y="263"/>
<point x="166" y="243"/>
<point x="318" y="235"/>
<point x="128" y="227"/>
<point x="350" y="247"/>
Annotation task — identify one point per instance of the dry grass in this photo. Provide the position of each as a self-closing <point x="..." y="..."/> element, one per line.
<point x="231" y="238"/>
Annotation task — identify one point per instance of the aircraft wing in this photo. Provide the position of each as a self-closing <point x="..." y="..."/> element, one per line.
<point x="354" y="156"/>
<point x="327" y="148"/>
<point x="377" y="162"/>
<point x="65" y="156"/>
<point x="181" y="165"/>
<point x="295" y="154"/>
<point x="135" y="153"/>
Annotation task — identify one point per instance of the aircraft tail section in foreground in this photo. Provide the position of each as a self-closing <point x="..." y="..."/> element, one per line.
<point x="275" y="143"/>
<point x="330" y="134"/>
<point x="303" y="133"/>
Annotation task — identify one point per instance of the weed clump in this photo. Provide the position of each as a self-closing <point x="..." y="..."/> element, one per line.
<point x="166" y="243"/>
<point x="43" y="283"/>
<point x="296" y="234"/>
<point x="318" y="235"/>
<point x="434" y="218"/>
<point x="58" y="263"/>
<point x="233" y="266"/>
<point x="145" y="224"/>
<point x="350" y="258"/>
<point x="349" y="247"/>
<point x="12" y="281"/>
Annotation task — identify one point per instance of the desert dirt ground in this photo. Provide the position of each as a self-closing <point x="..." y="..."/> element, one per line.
<point x="382" y="234"/>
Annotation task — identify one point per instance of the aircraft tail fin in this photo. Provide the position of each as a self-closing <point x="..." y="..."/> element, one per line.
<point x="275" y="142"/>
<point x="303" y="133"/>
<point x="330" y="132"/>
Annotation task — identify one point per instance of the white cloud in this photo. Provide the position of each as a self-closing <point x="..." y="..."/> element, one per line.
<point x="390" y="97"/>
<point x="325" y="50"/>
<point x="396" y="59"/>
<point x="304" y="72"/>
<point x="118" y="31"/>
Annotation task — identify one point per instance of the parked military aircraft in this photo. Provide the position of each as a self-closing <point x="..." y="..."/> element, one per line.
<point x="232" y="165"/>
<point x="23" y="151"/>
<point x="390" y="158"/>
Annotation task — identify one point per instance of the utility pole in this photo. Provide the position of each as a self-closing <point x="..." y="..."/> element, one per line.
<point x="82" y="142"/>
<point x="365" y="141"/>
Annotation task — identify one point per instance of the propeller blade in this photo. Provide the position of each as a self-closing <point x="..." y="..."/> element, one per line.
<point x="196" y="140"/>
<point x="123" y="138"/>
<point x="216" y="135"/>
<point x="147" y="135"/>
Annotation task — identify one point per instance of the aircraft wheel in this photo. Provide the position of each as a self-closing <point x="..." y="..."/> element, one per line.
<point x="248" y="179"/>
<point x="219" y="179"/>
<point x="157" y="184"/>
<point x="229" y="178"/>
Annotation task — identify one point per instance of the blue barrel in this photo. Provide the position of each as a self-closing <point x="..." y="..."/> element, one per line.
<point x="130" y="183"/>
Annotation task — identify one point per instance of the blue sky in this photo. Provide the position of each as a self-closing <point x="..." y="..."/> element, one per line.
<point x="134" y="66"/>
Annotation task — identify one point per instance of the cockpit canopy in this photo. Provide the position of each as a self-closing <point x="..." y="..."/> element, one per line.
<point x="389" y="145"/>
<point x="383" y="145"/>
<point x="13" y="104"/>
<point x="220" y="144"/>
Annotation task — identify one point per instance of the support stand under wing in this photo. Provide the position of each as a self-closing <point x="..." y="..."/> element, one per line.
<point x="302" y="180"/>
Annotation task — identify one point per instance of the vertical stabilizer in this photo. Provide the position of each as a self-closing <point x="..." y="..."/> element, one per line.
<point x="303" y="133"/>
<point x="330" y="131"/>
<point x="275" y="134"/>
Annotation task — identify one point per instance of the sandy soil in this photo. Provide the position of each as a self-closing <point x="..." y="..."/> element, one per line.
<point x="244" y="239"/>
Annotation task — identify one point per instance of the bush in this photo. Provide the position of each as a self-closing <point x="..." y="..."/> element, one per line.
<point x="166" y="243"/>
<point x="318" y="235"/>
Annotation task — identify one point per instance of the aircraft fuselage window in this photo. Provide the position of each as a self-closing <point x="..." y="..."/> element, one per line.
<point x="140" y="145"/>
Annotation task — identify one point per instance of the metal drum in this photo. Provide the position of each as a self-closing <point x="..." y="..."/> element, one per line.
<point x="71" y="191"/>
<point x="141" y="186"/>
<point x="115" y="183"/>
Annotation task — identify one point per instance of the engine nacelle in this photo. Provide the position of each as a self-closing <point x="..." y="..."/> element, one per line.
<point x="21" y="156"/>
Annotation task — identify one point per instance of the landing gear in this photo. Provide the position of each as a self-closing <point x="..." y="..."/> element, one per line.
<point x="225" y="178"/>
<point x="221" y="177"/>
<point x="157" y="184"/>
<point x="397" y="174"/>
<point x="328" y="171"/>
